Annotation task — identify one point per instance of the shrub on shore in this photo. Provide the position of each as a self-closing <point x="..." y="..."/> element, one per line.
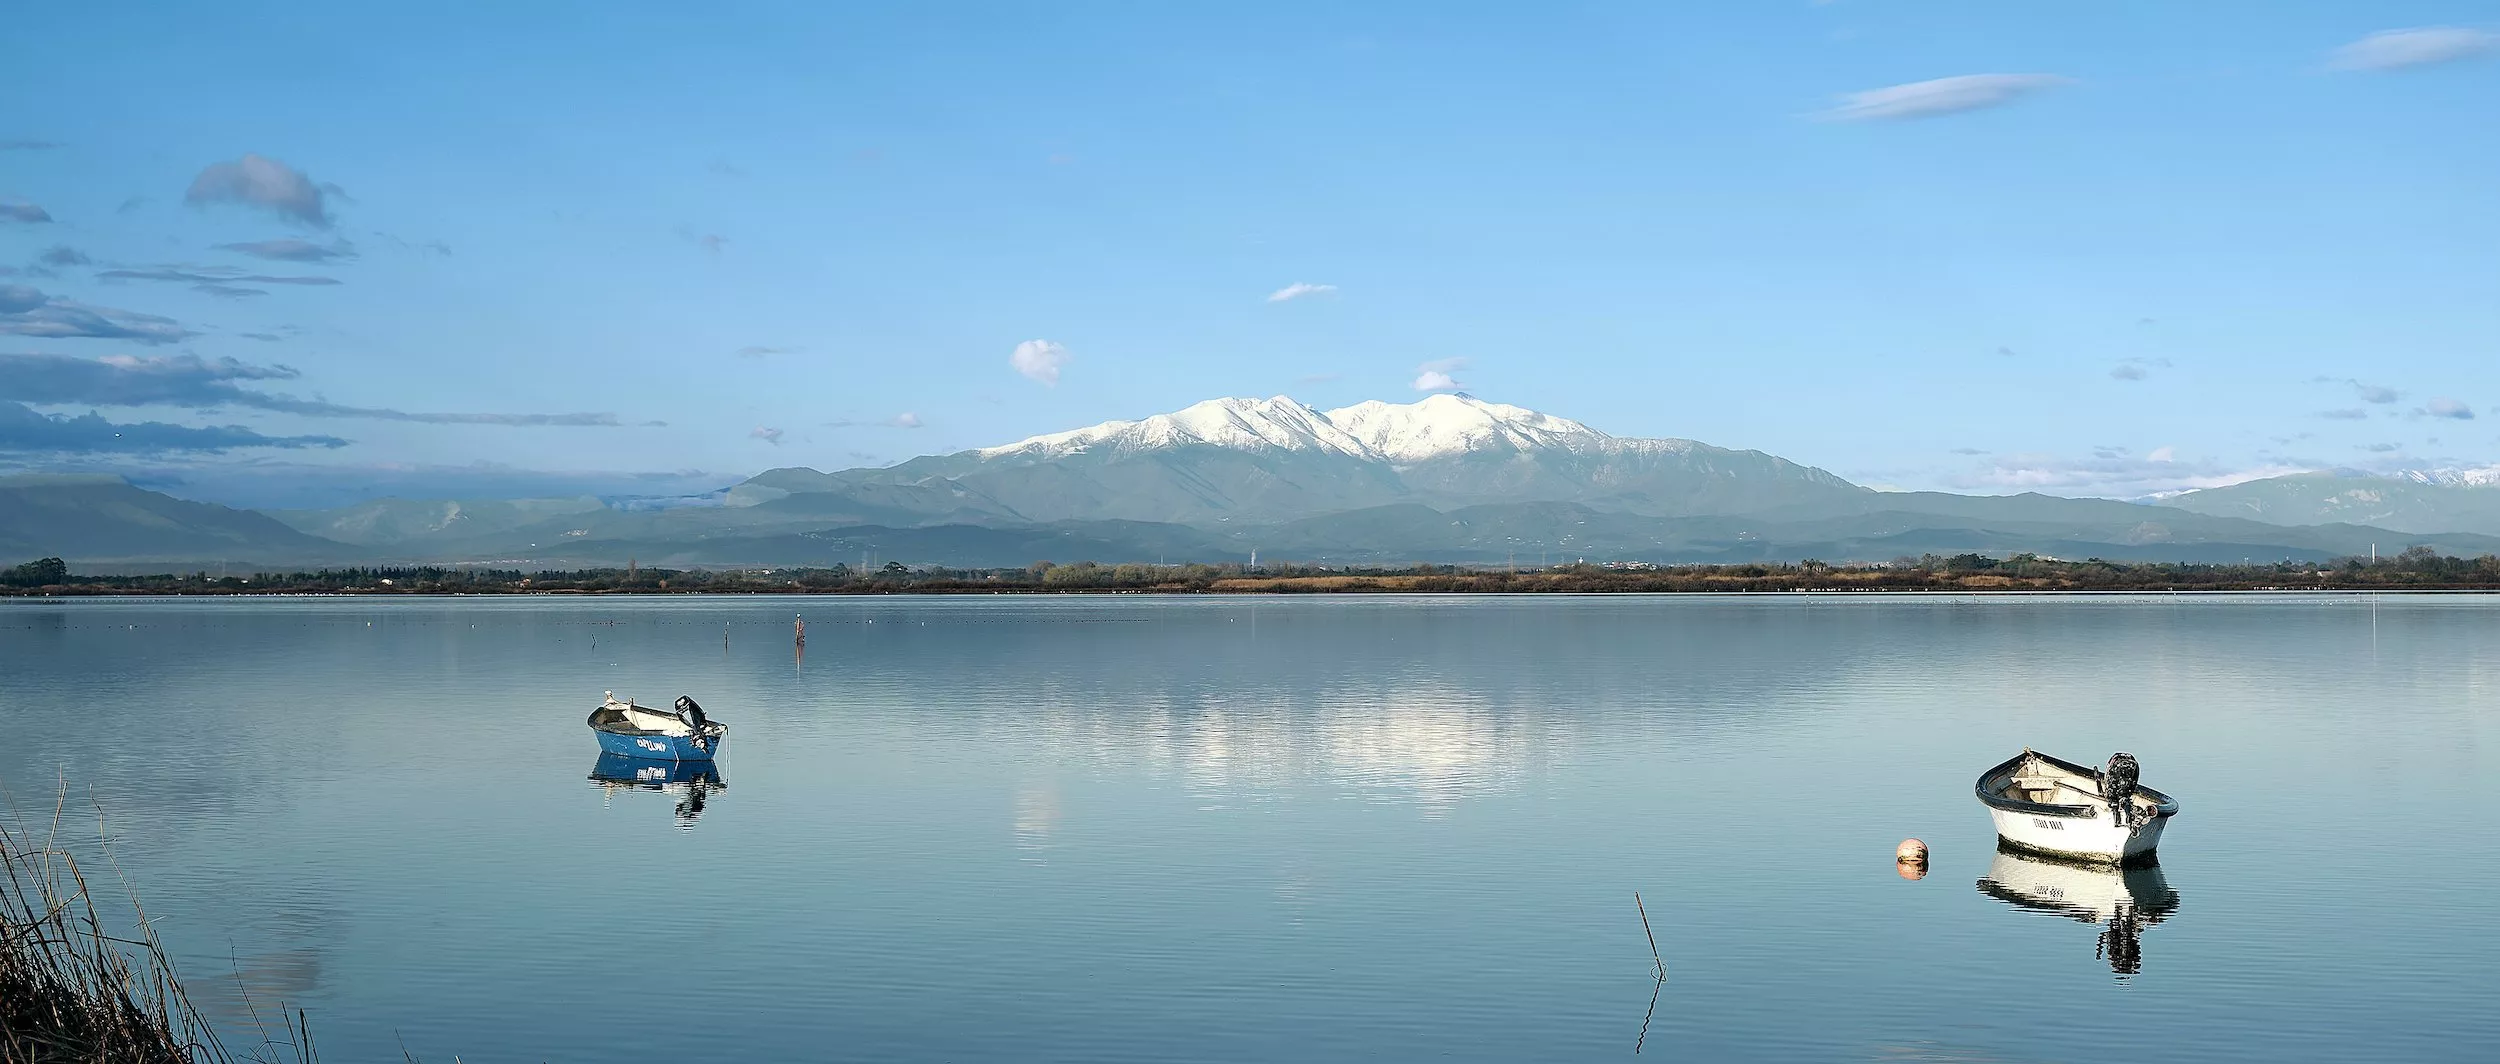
<point x="75" y="989"/>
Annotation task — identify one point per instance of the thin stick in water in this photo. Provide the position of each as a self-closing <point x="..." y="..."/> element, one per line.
<point x="1653" y="938"/>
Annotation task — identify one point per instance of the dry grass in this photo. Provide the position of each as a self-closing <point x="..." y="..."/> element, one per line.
<point x="75" y="990"/>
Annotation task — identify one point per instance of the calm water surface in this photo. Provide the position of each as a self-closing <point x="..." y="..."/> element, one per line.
<point x="1111" y="829"/>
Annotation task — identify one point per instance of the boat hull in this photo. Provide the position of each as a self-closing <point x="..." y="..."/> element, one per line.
<point x="2023" y="798"/>
<point x="2096" y="840"/>
<point x="659" y="747"/>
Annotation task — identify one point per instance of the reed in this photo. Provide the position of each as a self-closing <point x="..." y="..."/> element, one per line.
<point x="75" y="989"/>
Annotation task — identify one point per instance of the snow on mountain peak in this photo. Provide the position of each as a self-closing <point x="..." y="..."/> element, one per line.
<point x="1433" y="427"/>
<point x="1447" y="424"/>
<point x="2485" y="477"/>
<point x="1244" y="424"/>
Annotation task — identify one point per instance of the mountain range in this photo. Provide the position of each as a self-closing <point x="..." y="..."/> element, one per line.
<point x="1449" y="478"/>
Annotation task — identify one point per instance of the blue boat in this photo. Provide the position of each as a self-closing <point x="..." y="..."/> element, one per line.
<point x="680" y="734"/>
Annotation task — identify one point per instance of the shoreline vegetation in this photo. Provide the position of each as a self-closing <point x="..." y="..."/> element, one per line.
<point x="2416" y="569"/>
<point x="76" y="988"/>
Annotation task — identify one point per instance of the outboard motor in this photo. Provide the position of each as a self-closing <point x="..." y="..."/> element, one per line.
<point x="2118" y="785"/>
<point x="692" y="715"/>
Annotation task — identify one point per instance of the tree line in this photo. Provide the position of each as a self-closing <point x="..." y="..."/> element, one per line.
<point x="2417" y="568"/>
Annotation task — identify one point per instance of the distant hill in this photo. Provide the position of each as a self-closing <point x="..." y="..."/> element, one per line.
<point x="383" y="522"/>
<point x="2431" y="501"/>
<point x="95" y="520"/>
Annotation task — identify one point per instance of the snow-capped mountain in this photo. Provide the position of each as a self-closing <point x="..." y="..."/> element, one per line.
<point x="1229" y="460"/>
<point x="1440" y="426"/>
<point x="2422" y="500"/>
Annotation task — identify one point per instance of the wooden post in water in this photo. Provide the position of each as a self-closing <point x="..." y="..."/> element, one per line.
<point x="801" y="626"/>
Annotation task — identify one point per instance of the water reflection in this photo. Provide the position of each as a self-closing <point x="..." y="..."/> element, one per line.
<point x="693" y="782"/>
<point x="2123" y="903"/>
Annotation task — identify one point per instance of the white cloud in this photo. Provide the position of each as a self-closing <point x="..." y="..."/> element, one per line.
<point x="768" y="435"/>
<point x="2110" y="474"/>
<point x="1040" y="359"/>
<point x="1298" y="289"/>
<point x="2397" y="49"/>
<point x="1942" y="96"/>
<point x="905" y="420"/>
<point x="2448" y="408"/>
<point x="2127" y="371"/>
<point x="1435" y="376"/>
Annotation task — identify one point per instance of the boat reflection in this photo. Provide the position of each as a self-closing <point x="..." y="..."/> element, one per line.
<point x="2123" y="903"/>
<point x="693" y="782"/>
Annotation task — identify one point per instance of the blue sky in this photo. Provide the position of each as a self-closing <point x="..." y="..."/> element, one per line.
<point x="2126" y="247"/>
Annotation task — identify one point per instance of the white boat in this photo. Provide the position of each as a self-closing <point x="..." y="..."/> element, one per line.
<point x="2064" y="811"/>
<point x="2123" y="902"/>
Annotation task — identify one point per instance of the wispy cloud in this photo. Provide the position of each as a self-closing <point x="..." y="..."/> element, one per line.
<point x="199" y="383"/>
<point x="63" y="255"/>
<point x="1942" y="96"/>
<point x="2110" y="473"/>
<point x="2372" y="393"/>
<point x="293" y="250"/>
<point x="2381" y="448"/>
<point x="1040" y="360"/>
<point x="227" y="291"/>
<point x="711" y="243"/>
<point x="264" y="183"/>
<point x="22" y="211"/>
<point x="2349" y="413"/>
<point x="1438" y="375"/>
<point x="2421" y="46"/>
<point x="209" y="275"/>
<point x="1299" y="289"/>
<point x="2447" y="408"/>
<point x="2136" y="369"/>
<point x="904" y="420"/>
<point x="25" y="311"/>
<point x="26" y="431"/>
<point x="281" y="482"/>
<point x="759" y="351"/>
<point x="28" y="145"/>
<point x="768" y="435"/>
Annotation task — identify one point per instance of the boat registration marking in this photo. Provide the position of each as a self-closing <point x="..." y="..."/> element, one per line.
<point x="2044" y="822"/>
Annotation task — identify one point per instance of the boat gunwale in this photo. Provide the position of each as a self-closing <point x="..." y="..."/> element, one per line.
<point x="712" y="729"/>
<point x="2163" y="804"/>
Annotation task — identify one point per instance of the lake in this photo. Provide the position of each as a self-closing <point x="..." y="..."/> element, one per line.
<point x="1249" y="829"/>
